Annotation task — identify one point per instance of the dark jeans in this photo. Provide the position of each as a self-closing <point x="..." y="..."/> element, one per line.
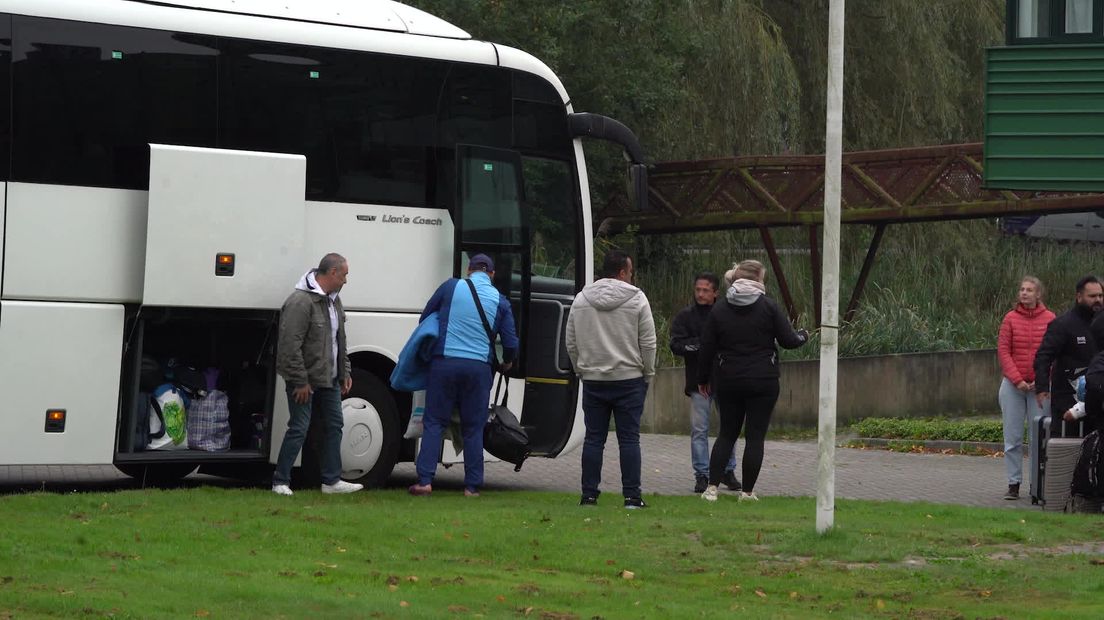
<point x="625" y="401"/>
<point x="740" y="401"/>
<point x="325" y="402"/>
<point x="455" y="383"/>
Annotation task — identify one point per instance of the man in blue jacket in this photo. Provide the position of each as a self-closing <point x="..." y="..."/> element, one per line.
<point x="461" y="369"/>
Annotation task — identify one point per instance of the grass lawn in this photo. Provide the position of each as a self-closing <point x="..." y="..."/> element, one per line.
<point x="246" y="553"/>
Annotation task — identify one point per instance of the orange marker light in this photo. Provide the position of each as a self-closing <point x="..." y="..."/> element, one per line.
<point x="56" y="416"/>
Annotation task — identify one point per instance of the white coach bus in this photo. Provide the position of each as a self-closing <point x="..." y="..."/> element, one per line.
<point x="170" y="169"/>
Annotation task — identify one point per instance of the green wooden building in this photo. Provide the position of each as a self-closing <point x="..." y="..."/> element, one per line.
<point x="1044" y="98"/>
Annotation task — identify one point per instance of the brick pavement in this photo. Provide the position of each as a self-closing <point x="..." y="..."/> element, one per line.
<point x="789" y="469"/>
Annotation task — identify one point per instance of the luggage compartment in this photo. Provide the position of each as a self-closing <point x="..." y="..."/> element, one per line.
<point x="240" y="344"/>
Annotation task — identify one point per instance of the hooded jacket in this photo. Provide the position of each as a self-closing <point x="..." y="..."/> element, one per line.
<point x="305" y="350"/>
<point x="1021" y="333"/>
<point x="610" y="332"/>
<point x="738" y="341"/>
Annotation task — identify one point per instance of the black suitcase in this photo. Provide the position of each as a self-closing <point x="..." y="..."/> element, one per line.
<point x="1053" y="460"/>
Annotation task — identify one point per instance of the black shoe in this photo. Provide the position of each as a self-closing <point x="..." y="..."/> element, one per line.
<point x="633" y="503"/>
<point x="1013" y="492"/>
<point x="731" y="482"/>
<point x="588" y="501"/>
<point x="700" y="482"/>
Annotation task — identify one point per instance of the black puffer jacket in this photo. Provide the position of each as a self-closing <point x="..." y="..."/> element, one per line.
<point x="1067" y="348"/>
<point x="738" y="341"/>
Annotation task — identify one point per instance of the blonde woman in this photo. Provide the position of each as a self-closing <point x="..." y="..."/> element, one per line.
<point x="1021" y="333"/>
<point x="738" y="365"/>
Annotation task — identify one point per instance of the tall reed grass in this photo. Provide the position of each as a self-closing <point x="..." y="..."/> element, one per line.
<point x="938" y="286"/>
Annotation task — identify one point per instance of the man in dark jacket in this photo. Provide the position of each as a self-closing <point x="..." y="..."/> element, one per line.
<point x="686" y="331"/>
<point x="1067" y="348"/>
<point x="312" y="358"/>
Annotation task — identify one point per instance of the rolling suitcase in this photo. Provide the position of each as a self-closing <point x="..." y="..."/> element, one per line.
<point x="1053" y="460"/>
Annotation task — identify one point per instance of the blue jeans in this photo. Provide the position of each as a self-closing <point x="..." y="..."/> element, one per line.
<point x="625" y="401"/>
<point x="700" y="407"/>
<point x="1016" y="408"/>
<point x="325" y="402"/>
<point x="455" y="383"/>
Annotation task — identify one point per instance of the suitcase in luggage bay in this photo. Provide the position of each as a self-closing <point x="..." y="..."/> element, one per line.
<point x="1053" y="460"/>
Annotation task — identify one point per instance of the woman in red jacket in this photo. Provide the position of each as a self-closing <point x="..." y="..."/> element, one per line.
<point x="1021" y="332"/>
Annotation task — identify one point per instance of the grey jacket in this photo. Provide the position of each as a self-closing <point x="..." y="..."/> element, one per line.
<point x="303" y="352"/>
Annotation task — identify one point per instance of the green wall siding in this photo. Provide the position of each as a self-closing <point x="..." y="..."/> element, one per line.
<point x="1044" y="118"/>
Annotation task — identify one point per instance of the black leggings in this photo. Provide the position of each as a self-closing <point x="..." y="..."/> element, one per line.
<point x="739" y="400"/>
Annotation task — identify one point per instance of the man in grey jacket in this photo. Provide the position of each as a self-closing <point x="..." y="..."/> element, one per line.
<point x="612" y="344"/>
<point x="312" y="358"/>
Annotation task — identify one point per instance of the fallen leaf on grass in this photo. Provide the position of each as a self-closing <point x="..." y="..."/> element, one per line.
<point x="412" y="578"/>
<point x="793" y="595"/>
<point x="287" y="573"/>
<point x="610" y="562"/>
<point x="985" y="593"/>
<point x="404" y="604"/>
<point x="392" y="580"/>
<point x="760" y="593"/>
<point x="628" y="574"/>
<point x="325" y="565"/>
<point x="880" y="604"/>
<point x="341" y="549"/>
<point x="202" y="613"/>
<point x="392" y="587"/>
<point x="500" y="598"/>
<point x="457" y="609"/>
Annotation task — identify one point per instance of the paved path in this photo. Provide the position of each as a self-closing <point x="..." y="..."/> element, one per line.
<point x="789" y="469"/>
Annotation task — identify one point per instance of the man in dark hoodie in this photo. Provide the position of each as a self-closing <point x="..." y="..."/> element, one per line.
<point x="686" y="331"/>
<point x="1068" y="347"/>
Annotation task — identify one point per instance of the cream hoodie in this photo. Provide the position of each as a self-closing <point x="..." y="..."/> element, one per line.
<point x="610" y="333"/>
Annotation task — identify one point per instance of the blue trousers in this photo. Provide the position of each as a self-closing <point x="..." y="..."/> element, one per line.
<point x="325" y="402"/>
<point x="700" y="407"/>
<point x="455" y="383"/>
<point x="625" y="401"/>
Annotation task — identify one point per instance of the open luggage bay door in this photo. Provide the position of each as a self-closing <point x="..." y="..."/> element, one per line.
<point x="225" y="228"/>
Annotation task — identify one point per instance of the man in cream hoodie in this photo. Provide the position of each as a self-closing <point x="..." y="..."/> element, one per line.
<point x="612" y="343"/>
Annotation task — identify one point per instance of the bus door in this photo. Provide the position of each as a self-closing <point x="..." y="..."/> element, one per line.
<point x="491" y="218"/>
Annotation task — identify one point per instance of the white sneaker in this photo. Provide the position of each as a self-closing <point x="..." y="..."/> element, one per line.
<point x="342" y="487"/>
<point x="748" y="497"/>
<point x="710" y="494"/>
<point x="282" y="489"/>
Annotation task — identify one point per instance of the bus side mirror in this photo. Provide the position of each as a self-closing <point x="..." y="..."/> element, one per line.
<point x="638" y="187"/>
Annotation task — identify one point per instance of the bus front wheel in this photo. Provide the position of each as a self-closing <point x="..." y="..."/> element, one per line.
<point x="371" y="439"/>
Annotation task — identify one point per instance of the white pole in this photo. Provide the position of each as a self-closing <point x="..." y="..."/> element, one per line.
<point x="829" y="328"/>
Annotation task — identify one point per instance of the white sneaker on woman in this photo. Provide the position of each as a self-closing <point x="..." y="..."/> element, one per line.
<point x="281" y="489"/>
<point x="710" y="494"/>
<point x="748" y="497"/>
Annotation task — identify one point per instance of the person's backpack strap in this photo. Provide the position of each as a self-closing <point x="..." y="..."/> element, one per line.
<point x="486" y="324"/>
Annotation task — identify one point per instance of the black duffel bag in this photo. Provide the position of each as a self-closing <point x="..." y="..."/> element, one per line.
<point x="503" y="437"/>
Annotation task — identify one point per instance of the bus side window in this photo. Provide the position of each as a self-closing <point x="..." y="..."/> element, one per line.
<point x="89" y="98"/>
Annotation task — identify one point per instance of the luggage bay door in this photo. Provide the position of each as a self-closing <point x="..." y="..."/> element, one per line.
<point x="493" y="217"/>
<point x="225" y="228"/>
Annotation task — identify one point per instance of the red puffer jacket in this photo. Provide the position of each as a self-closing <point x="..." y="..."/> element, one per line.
<point x="1021" y="332"/>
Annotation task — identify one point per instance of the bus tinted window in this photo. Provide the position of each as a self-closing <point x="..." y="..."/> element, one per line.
<point x="89" y="98"/>
<point x="365" y="122"/>
<point x="5" y="97"/>
<point x="476" y="107"/>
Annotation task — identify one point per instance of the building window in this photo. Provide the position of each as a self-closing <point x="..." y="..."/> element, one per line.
<point x="1079" y="17"/>
<point x="1032" y="19"/>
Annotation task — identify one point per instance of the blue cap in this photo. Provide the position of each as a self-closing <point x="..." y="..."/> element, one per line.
<point x="481" y="262"/>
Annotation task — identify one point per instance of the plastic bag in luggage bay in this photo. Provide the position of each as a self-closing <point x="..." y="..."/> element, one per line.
<point x="168" y="419"/>
<point x="209" y="422"/>
<point x="503" y="437"/>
